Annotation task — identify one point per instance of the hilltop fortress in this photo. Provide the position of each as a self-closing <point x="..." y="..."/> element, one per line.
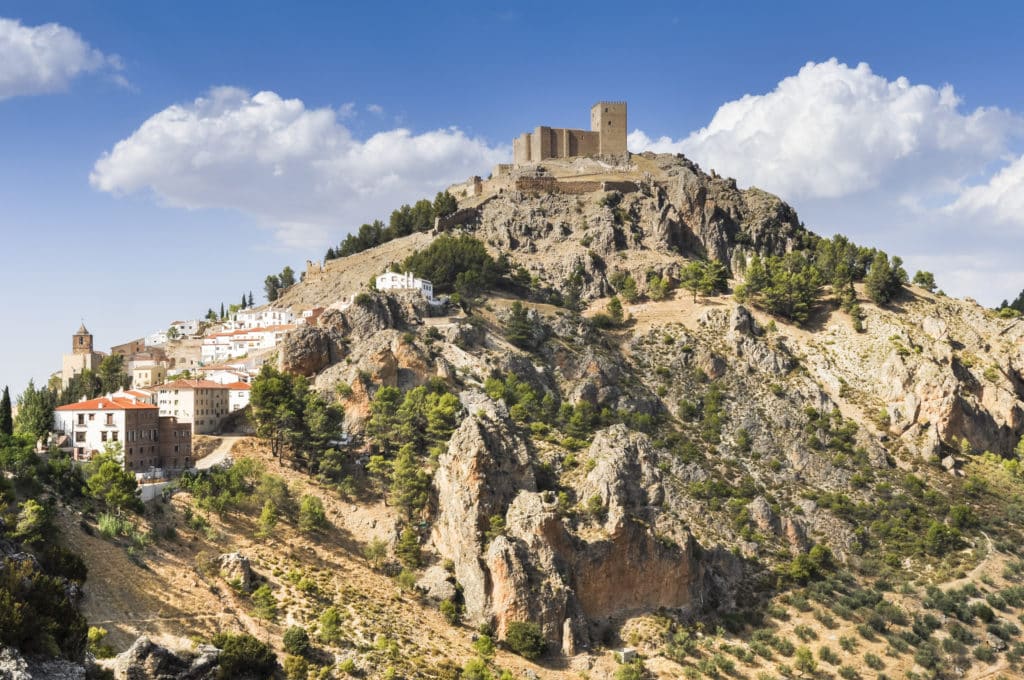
<point x="606" y="137"/>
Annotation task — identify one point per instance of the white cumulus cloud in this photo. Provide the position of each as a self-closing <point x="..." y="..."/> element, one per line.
<point x="41" y="59"/>
<point x="999" y="200"/>
<point x="295" y="169"/>
<point x="832" y="130"/>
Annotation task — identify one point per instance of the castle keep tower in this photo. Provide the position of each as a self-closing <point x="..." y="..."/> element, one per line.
<point x="609" y="120"/>
<point x="606" y="137"/>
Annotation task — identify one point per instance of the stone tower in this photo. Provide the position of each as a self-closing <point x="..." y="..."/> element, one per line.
<point x="81" y="342"/>
<point x="609" y="119"/>
<point x="83" y="356"/>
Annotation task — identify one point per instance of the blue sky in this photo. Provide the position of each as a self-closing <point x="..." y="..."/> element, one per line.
<point x="143" y="179"/>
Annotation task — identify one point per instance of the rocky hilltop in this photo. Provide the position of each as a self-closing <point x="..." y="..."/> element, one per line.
<point x="720" y="442"/>
<point x="586" y="448"/>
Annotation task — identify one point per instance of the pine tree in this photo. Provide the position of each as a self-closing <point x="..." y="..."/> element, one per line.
<point x="519" y="328"/>
<point x="409" y="482"/>
<point x="252" y="303"/>
<point x="6" y="419"/>
<point x="222" y="310"/>
<point x="35" y="411"/>
<point x="615" y="311"/>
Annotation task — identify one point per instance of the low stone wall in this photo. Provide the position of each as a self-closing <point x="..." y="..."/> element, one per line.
<point x="623" y="186"/>
<point x="551" y="185"/>
<point x="456" y="219"/>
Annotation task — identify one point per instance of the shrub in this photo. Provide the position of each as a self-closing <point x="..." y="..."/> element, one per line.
<point x="296" y="641"/>
<point x="525" y="639"/>
<point x="451" y="612"/>
<point x="804" y="661"/>
<point x="874" y="662"/>
<point x="295" y="668"/>
<point x="312" y="516"/>
<point x="848" y="673"/>
<point x="330" y="625"/>
<point x="484" y="646"/>
<point x="265" y="603"/>
<point x="97" y="646"/>
<point x="408" y="548"/>
<point x="828" y="655"/>
<point x="243" y="655"/>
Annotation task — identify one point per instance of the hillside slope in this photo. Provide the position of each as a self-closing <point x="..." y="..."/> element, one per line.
<point x="726" y="491"/>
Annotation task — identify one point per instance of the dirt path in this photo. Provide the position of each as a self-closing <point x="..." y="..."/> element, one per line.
<point x="217" y="456"/>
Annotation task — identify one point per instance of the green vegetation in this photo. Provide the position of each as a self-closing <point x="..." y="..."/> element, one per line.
<point x="295" y="420"/>
<point x="109" y="483"/>
<point x="6" y="415"/>
<point x="35" y="411"/>
<point x="885" y="278"/>
<point x="705" y="278"/>
<point x="273" y="286"/>
<point x="525" y="639"/>
<point x="404" y="221"/>
<point x="457" y="264"/>
<point x="242" y="655"/>
<point x="296" y="641"/>
<point x="785" y="286"/>
<point x="522" y="329"/>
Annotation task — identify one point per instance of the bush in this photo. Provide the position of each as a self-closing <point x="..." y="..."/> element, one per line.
<point x="525" y="639"/>
<point x="330" y="626"/>
<point x="243" y="655"/>
<point x="296" y="668"/>
<point x="451" y="612"/>
<point x="265" y="603"/>
<point x="828" y="655"/>
<point x="97" y="646"/>
<point x="296" y="641"/>
<point x="312" y="516"/>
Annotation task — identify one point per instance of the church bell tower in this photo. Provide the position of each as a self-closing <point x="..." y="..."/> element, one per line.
<point x="81" y="342"/>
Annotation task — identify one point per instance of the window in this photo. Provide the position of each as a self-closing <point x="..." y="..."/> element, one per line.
<point x="103" y="436"/>
<point x="113" y="436"/>
<point x="92" y="416"/>
<point x="110" y="419"/>
<point x="81" y="419"/>
<point x="79" y="436"/>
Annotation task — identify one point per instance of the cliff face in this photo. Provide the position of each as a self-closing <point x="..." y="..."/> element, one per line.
<point x="713" y="433"/>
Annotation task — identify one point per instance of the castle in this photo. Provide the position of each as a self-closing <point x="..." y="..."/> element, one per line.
<point x="606" y="137"/>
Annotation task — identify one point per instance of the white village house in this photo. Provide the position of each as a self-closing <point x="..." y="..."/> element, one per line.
<point x="219" y="347"/>
<point x="238" y="397"/>
<point x="263" y="317"/>
<point x="406" y="281"/>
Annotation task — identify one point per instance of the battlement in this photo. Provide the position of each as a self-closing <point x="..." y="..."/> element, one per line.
<point x="606" y="137"/>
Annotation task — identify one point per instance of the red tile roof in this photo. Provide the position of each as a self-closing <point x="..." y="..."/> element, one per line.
<point x="189" y="385"/>
<point x="239" y="386"/>
<point x="106" y="404"/>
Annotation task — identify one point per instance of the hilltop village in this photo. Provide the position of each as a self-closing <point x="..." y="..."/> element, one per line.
<point x="187" y="380"/>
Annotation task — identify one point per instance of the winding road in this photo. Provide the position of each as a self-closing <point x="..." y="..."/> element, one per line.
<point x="217" y="456"/>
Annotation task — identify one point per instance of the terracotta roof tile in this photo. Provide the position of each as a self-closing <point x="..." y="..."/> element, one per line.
<point x="106" y="404"/>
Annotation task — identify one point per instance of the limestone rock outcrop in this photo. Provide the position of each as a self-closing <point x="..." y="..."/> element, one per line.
<point x="145" y="660"/>
<point x="236" y="567"/>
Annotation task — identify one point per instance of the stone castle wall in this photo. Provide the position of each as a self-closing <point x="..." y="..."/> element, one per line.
<point x="552" y="185"/>
<point x="606" y="137"/>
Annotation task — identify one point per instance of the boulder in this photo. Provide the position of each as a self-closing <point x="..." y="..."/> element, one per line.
<point x="437" y="584"/>
<point x="145" y="660"/>
<point x="310" y="349"/>
<point x="235" y="566"/>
